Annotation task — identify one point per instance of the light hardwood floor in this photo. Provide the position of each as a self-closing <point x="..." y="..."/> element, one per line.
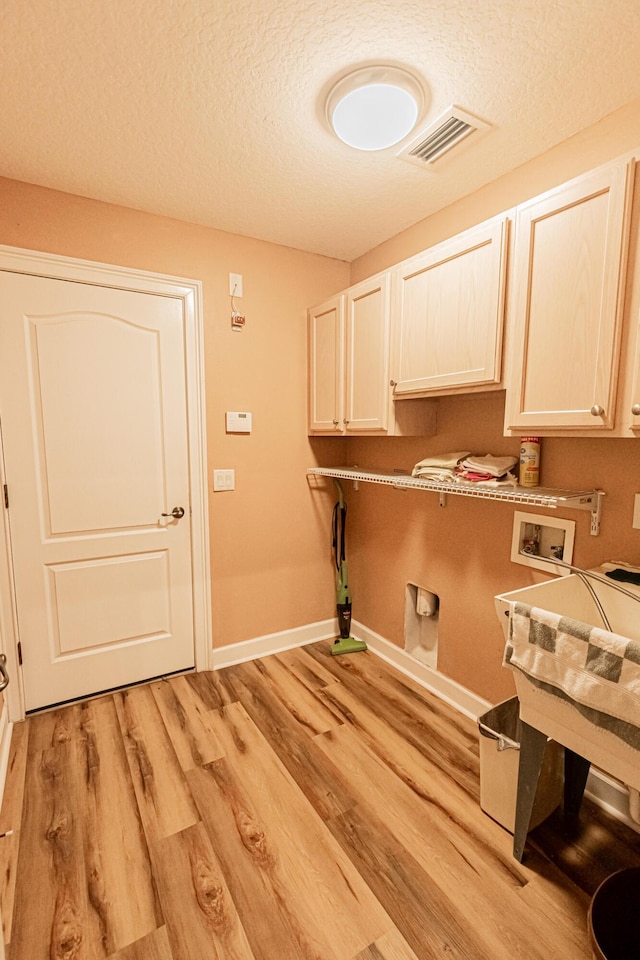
<point x="298" y="807"/>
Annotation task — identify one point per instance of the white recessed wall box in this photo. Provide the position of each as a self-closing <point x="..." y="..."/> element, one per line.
<point x="538" y="540"/>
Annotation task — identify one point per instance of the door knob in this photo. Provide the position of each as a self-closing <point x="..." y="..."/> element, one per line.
<point x="4" y="676"/>
<point x="177" y="513"/>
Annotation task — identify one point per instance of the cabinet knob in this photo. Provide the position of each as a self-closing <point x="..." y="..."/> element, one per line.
<point x="393" y="383"/>
<point x="335" y="423"/>
<point x="635" y="409"/>
<point x="597" y="410"/>
<point x="345" y="420"/>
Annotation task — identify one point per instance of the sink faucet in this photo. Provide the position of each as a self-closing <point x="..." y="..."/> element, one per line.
<point x="586" y="575"/>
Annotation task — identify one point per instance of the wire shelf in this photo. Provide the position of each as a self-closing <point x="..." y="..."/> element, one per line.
<point x="546" y="497"/>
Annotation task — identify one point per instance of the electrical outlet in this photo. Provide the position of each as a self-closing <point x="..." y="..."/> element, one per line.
<point x="224" y="480"/>
<point x="636" y="512"/>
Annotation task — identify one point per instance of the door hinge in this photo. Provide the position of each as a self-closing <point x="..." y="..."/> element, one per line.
<point x="19" y="653"/>
<point x="6" y="496"/>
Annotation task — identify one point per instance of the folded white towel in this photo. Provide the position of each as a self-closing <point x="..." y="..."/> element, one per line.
<point x="431" y="473"/>
<point x="496" y="466"/>
<point x="441" y="461"/>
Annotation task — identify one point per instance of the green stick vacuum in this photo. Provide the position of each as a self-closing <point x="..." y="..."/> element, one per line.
<point x="345" y="643"/>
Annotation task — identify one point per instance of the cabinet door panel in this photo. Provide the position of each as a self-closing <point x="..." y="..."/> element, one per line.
<point x="449" y="305"/>
<point x="326" y="366"/>
<point x="569" y="264"/>
<point x="367" y="355"/>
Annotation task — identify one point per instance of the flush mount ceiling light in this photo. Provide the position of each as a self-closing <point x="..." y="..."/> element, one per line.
<point x="374" y="107"/>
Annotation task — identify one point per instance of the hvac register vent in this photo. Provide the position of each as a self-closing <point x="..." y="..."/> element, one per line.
<point x="441" y="136"/>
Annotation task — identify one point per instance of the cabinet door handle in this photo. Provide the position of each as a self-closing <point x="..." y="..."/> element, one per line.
<point x="597" y="410"/>
<point x="635" y="410"/>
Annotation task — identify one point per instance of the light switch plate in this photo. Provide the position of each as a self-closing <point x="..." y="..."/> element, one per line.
<point x="224" y="480"/>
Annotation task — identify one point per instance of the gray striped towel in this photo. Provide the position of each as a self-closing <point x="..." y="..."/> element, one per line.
<point x="595" y="670"/>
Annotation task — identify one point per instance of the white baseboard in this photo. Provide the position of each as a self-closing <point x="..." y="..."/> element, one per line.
<point x="448" y="690"/>
<point x="605" y="792"/>
<point x="5" y="747"/>
<point x="273" y="643"/>
<point x="611" y="795"/>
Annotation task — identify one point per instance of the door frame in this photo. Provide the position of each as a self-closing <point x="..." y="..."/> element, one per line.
<point x="36" y="263"/>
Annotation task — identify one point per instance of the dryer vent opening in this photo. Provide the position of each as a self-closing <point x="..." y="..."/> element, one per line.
<point x="421" y="617"/>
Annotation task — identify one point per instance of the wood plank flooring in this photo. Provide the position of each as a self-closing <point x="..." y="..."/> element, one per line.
<point x="298" y="807"/>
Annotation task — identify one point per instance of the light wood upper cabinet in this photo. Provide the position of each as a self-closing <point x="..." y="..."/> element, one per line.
<point x="629" y="406"/>
<point x="349" y="361"/>
<point x="367" y="356"/>
<point x="448" y="307"/>
<point x="567" y="303"/>
<point x="349" y="389"/>
<point x="326" y="366"/>
<point x="631" y="413"/>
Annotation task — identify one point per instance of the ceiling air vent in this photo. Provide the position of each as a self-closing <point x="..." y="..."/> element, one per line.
<point x="441" y="136"/>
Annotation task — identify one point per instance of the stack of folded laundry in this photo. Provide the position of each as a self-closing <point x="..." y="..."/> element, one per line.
<point x="461" y="465"/>
<point x="442" y="467"/>
<point x="487" y="469"/>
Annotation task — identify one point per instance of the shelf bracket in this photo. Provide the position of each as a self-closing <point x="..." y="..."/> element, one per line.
<point x="593" y="503"/>
<point x="442" y="500"/>
<point x="596" y="512"/>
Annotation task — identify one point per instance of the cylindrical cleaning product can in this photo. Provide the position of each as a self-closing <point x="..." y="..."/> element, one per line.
<point x="529" y="474"/>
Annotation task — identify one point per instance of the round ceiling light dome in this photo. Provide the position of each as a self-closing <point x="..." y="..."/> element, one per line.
<point x="374" y="107"/>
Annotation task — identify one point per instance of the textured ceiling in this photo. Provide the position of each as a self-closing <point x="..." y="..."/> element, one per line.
<point x="212" y="110"/>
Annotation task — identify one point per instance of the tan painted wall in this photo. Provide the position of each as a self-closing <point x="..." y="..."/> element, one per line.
<point x="271" y="567"/>
<point x="462" y="552"/>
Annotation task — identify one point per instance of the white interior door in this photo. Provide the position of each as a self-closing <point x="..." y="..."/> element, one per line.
<point x="94" y="423"/>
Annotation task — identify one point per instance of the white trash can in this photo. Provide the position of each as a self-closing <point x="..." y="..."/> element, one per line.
<point x="499" y="755"/>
